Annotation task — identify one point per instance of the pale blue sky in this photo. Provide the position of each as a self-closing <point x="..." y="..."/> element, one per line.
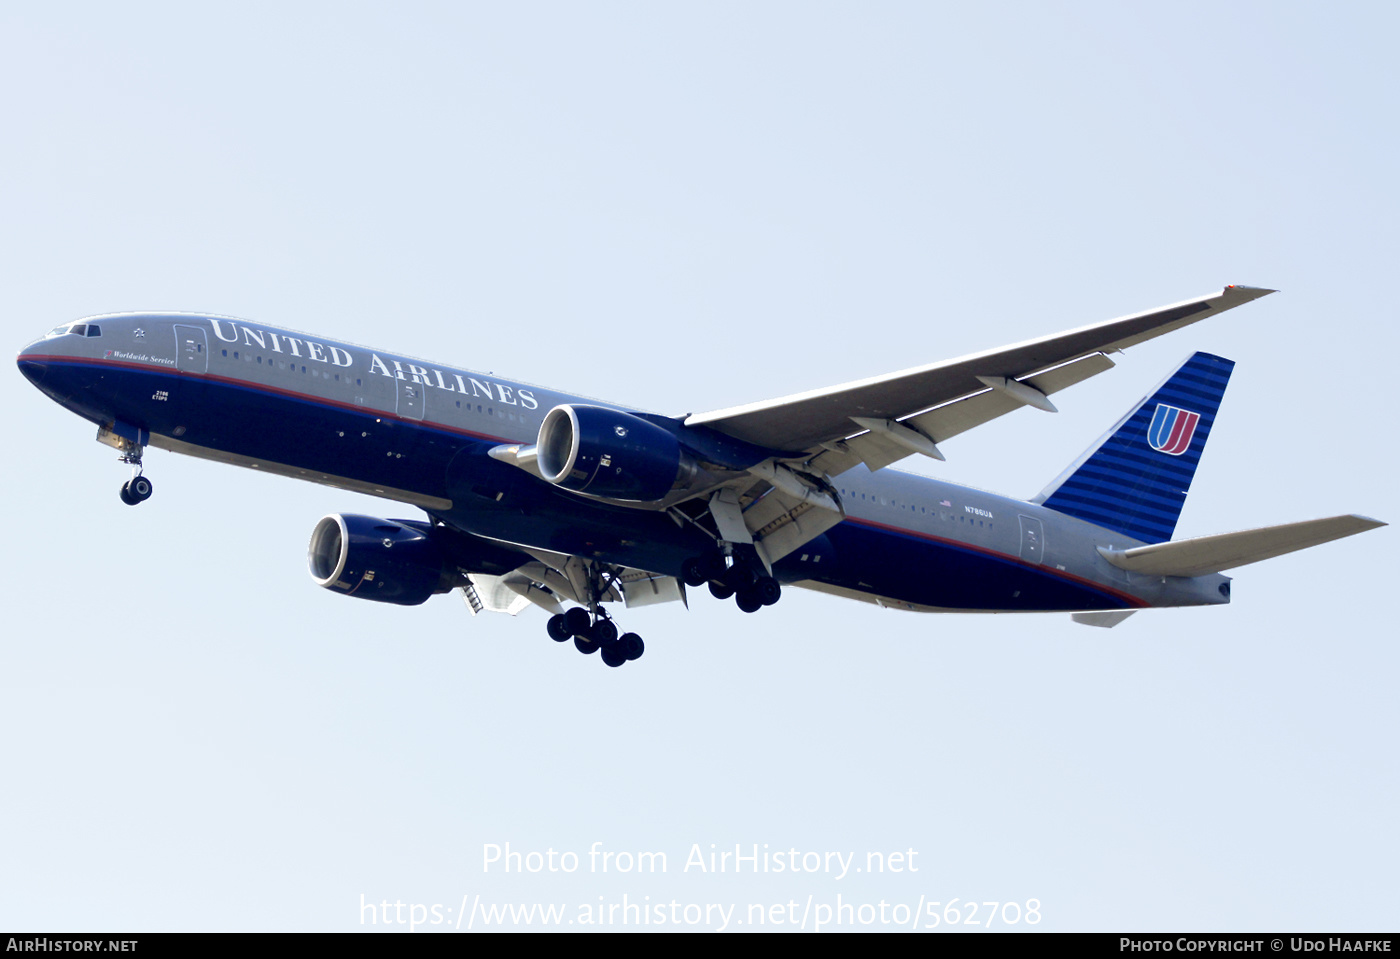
<point x="683" y="208"/>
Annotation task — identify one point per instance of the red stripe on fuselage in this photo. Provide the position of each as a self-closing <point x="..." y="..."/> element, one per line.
<point x="265" y="388"/>
<point x="1006" y="557"/>
<point x="369" y="411"/>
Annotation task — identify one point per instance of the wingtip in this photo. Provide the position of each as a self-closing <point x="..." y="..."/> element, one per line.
<point x="1249" y="292"/>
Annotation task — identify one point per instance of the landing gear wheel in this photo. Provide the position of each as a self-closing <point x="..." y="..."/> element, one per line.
<point x="749" y="601"/>
<point x="558" y="627"/>
<point x="126" y="495"/>
<point x="712" y="564"/>
<point x="592" y="629"/>
<point x="140" y="489"/>
<point x="693" y="572"/>
<point x="719" y="590"/>
<point x="768" y="590"/>
<point x="577" y="620"/>
<point x="738" y="578"/>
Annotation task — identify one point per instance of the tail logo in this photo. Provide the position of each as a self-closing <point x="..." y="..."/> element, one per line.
<point x="1172" y="429"/>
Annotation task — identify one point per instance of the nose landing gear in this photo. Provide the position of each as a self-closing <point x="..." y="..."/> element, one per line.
<point x="136" y="490"/>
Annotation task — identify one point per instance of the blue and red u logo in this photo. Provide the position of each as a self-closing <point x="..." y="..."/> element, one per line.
<point x="1172" y="429"/>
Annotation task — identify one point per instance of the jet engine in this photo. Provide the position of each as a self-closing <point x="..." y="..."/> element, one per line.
<point x="611" y="454"/>
<point x="388" y="561"/>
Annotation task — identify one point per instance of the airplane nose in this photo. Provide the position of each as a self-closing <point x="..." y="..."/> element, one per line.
<point x="32" y="368"/>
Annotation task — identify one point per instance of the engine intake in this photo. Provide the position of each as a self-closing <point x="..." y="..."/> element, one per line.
<point x="610" y="454"/>
<point x="388" y="561"/>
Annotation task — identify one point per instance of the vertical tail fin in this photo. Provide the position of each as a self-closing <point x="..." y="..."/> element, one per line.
<point x="1135" y="478"/>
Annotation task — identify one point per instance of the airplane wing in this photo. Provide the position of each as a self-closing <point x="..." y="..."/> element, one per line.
<point x="911" y="411"/>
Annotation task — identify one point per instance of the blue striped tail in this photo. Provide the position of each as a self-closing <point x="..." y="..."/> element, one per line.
<point x="1134" y="480"/>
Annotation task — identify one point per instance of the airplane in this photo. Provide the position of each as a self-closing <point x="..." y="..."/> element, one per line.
<point x="534" y="497"/>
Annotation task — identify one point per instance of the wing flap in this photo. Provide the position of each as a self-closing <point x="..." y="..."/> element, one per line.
<point x="959" y="416"/>
<point x="640" y="588"/>
<point x="507" y="594"/>
<point x="781" y="523"/>
<point x="1214" y="554"/>
<point x="1104" y="620"/>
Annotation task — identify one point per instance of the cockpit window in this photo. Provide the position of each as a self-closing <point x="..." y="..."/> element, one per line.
<point x="77" y="329"/>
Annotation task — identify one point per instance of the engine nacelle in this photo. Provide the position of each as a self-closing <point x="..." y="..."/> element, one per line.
<point x="610" y="454"/>
<point x="388" y="561"/>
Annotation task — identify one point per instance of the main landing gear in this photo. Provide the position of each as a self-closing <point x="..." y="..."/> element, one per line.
<point x="595" y="632"/>
<point x="745" y="578"/>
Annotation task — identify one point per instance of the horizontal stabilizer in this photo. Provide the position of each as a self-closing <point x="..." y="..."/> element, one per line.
<point x="1214" y="554"/>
